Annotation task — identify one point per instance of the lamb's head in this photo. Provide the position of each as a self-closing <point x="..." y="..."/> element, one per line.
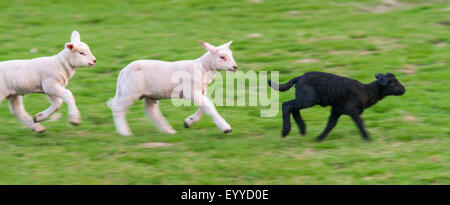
<point x="221" y="57"/>
<point x="80" y="54"/>
<point x="389" y="84"/>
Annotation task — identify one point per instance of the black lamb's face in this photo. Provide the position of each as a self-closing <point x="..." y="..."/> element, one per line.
<point x="390" y="84"/>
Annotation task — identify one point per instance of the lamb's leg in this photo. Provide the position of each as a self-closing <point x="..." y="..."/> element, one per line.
<point x="152" y="108"/>
<point x="299" y="121"/>
<point x="359" y="123"/>
<point x="191" y="120"/>
<point x="332" y="121"/>
<point x="286" y="109"/>
<point x="17" y="108"/>
<point x="119" y="107"/>
<point x="208" y="107"/>
<point x="55" y="89"/>
<point x="44" y="115"/>
<point x="304" y="98"/>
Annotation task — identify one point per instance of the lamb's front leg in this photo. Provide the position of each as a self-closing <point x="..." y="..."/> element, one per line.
<point x="332" y="121"/>
<point x="55" y="89"/>
<point x="191" y="120"/>
<point x="17" y="108"/>
<point x="359" y="122"/>
<point x="208" y="107"/>
<point x="44" y="115"/>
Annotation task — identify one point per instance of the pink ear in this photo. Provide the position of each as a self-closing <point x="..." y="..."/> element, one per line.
<point x="69" y="46"/>
<point x="208" y="46"/>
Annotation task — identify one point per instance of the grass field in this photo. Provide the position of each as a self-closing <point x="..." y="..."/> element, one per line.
<point x="411" y="136"/>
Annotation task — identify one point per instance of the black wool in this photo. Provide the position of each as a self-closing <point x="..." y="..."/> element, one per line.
<point x="345" y="95"/>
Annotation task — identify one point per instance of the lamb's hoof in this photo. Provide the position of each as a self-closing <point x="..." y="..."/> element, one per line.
<point x="126" y="134"/>
<point x="38" y="118"/>
<point x="39" y="129"/>
<point x="186" y="125"/>
<point x="227" y="131"/>
<point x="75" y="123"/>
<point x="367" y="139"/>
<point x="171" y="132"/>
<point x="75" y="119"/>
<point x="284" y="133"/>
<point x="302" y="133"/>
<point x="320" y="139"/>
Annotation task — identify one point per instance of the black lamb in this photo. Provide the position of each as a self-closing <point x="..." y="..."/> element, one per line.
<point x="345" y="96"/>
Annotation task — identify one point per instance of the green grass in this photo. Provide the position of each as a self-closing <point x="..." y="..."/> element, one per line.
<point x="352" y="38"/>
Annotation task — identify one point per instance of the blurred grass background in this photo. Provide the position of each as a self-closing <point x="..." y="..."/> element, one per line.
<point x="409" y="38"/>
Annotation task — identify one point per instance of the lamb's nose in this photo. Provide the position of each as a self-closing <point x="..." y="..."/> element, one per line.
<point x="95" y="61"/>
<point x="235" y="67"/>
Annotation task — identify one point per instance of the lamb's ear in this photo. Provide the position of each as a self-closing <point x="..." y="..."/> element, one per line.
<point x="69" y="46"/>
<point x="208" y="46"/>
<point x="228" y="44"/>
<point x="382" y="79"/>
<point x="378" y="76"/>
<point x="75" y="37"/>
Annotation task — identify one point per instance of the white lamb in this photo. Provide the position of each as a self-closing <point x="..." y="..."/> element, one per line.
<point x="49" y="75"/>
<point x="153" y="81"/>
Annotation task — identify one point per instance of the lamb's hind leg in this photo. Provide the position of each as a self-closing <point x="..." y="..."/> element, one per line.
<point x="153" y="112"/>
<point x="44" y="115"/>
<point x="299" y="121"/>
<point x="119" y="107"/>
<point x="304" y="99"/>
<point x="287" y="108"/>
<point x="17" y="108"/>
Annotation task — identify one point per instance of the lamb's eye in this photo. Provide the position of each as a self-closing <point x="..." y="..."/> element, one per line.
<point x="223" y="58"/>
<point x="82" y="53"/>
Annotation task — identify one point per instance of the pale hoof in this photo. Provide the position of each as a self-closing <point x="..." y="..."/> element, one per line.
<point x="125" y="133"/>
<point x="39" y="117"/>
<point x="39" y="129"/>
<point x="226" y="128"/>
<point x="188" y="122"/>
<point x="170" y="132"/>
<point x="75" y="123"/>
<point x="75" y="120"/>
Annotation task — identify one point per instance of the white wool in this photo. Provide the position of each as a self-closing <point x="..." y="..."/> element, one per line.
<point x="152" y="80"/>
<point x="49" y="75"/>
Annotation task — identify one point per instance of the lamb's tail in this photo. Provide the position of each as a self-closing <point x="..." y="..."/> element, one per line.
<point x="109" y="103"/>
<point x="283" y="87"/>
